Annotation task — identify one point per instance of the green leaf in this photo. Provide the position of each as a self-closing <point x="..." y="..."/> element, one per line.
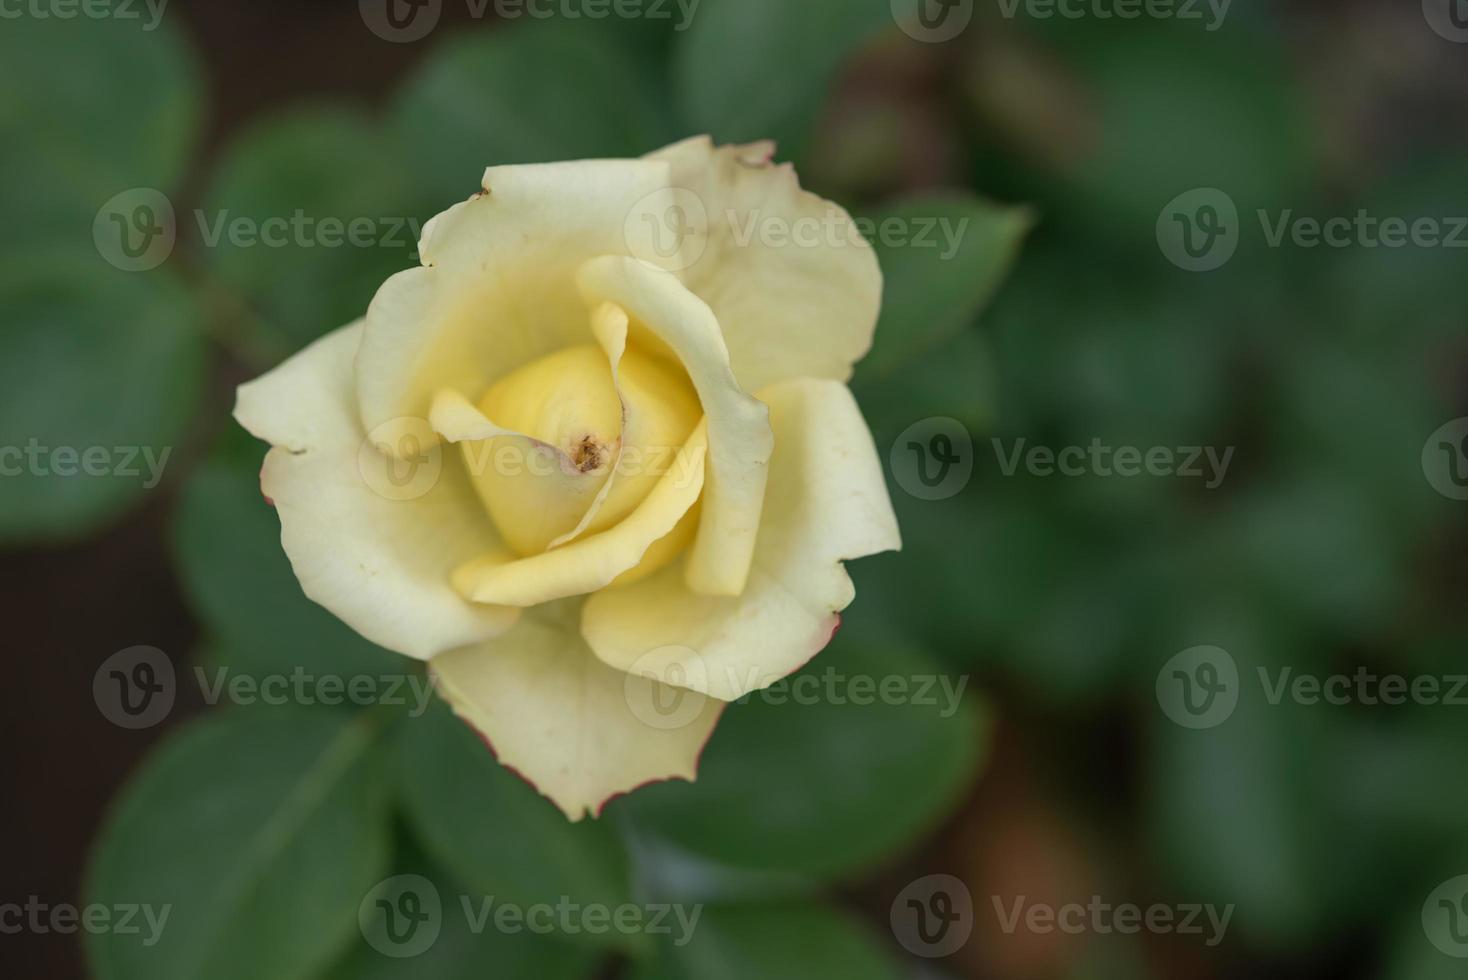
<point x="1175" y="109"/>
<point x="305" y="217"/>
<point x="833" y="779"/>
<point x="227" y="545"/>
<point x="94" y="363"/>
<point x="498" y="834"/>
<point x="107" y="104"/>
<point x="957" y="380"/>
<point x="760" y="69"/>
<point x="464" y="948"/>
<point x="943" y="259"/>
<point x="532" y="94"/>
<point x="783" y="941"/>
<point x="260" y="834"/>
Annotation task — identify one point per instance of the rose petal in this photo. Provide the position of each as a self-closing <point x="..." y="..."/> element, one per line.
<point x="826" y="503"/>
<point x="794" y="285"/>
<point x="595" y="561"/>
<point x="739" y="435"/>
<point x="578" y="730"/>
<point x="495" y="290"/>
<point x="379" y="560"/>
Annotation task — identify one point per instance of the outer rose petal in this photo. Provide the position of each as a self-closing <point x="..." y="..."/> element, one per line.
<point x="826" y="502"/>
<point x="803" y="307"/>
<point x="382" y="565"/>
<point x="578" y="730"/>
<point x="496" y="287"/>
<point x="739" y="434"/>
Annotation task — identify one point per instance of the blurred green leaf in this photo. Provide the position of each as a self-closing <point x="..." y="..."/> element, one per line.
<point x="761" y="69"/>
<point x="782" y="941"/>
<point x="461" y="950"/>
<point x="524" y="94"/>
<point x="1406" y="297"/>
<point x="1175" y="109"/>
<point x="957" y="380"/>
<point x="99" y="373"/>
<point x="108" y="104"/>
<point x="497" y="833"/>
<point x="943" y="259"/>
<point x="259" y="835"/>
<point x="227" y="544"/>
<point x="306" y="215"/>
<point x="822" y="784"/>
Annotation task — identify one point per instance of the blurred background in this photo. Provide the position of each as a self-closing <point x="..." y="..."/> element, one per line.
<point x="1223" y="241"/>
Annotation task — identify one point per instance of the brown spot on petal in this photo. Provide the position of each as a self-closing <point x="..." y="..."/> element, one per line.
<point x="588" y="454"/>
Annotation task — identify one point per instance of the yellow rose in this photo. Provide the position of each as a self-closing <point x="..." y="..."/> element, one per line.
<point x="595" y="460"/>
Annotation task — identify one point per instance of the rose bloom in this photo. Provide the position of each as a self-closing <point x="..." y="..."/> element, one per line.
<point x="595" y="459"/>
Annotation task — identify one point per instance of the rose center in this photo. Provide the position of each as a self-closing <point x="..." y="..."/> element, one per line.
<point x="540" y="489"/>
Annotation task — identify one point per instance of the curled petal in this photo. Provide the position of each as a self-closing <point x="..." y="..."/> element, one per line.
<point x="595" y="561"/>
<point x="739" y="437"/>
<point x="827" y="502"/>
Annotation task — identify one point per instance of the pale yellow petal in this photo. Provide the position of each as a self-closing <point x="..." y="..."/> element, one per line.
<point x="531" y="490"/>
<point x="373" y="540"/>
<point x="576" y="729"/>
<point x="795" y="286"/>
<point x="496" y="290"/>
<point x="827" y="503"/>
<point x="666" y="315"/>
<point x="595" y="561"/>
